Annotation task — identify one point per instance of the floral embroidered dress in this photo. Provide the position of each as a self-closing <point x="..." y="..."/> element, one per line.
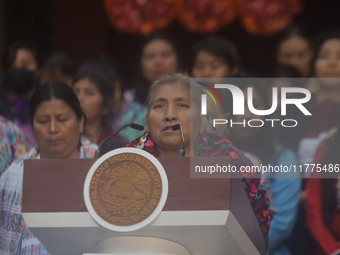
<point x="212" y="145"/>
<point x="13" y="143"/>
<point x="17" y="112"/>
<point x="15" y="238"/>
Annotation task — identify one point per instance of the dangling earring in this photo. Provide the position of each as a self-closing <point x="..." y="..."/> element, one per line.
<point x="140" y="144"/>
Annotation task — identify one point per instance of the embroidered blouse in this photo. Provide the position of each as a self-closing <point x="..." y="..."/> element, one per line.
<point x="15" y="238"/>
<point x="212" y="145"/>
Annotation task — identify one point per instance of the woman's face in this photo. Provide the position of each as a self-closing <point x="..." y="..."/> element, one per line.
<point x="238" y="130"/>
<point x="327" y="64"/>
<point x="90" y="99"/>
<point x="296" y="52"/>
<point x="25" y="59"/>
<point x="57" y="129"/>
<point x="158" y="59"/>
<point x="210" y="66"/>
<point x="172" y="105"/>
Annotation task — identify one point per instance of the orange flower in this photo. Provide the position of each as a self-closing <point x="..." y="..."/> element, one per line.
<point x="206" y="16"/>
<point x="268" y="16"/>
<point x="140" y="16"/>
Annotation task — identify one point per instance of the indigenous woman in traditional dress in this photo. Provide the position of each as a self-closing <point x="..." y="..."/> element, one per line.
<point x="158" y="58"/>
<point x="215" y="57"/>
<point x="326" y="67"/>
<point x="57" y="122"/>
<point x="169" y="104"/>
<point x="283" y="188"/>
<point x="95" y="86"/>
<point x="16" y="90"/>
<point x="21" y="55"/>
<point x="295" y="49"/>
<point x="323" y="196"/>
<point x="13" y="143"/>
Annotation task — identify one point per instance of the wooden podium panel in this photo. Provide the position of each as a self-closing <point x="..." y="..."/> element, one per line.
<point x="54" y="208"/>
<point x="57" y="186"/>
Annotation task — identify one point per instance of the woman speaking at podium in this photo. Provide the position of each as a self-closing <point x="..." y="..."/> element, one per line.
<point x="169" y="104"/>
<point x="57" y="122"/>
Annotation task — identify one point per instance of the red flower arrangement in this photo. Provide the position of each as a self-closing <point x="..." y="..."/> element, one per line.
<point x="206" y="16"/>
<point x="141" y="16"/>
<point x="268" y="16"/>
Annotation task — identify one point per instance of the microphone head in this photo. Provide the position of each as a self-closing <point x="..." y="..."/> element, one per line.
<point x="136" y="126"/>
<point x="176" y="127"/>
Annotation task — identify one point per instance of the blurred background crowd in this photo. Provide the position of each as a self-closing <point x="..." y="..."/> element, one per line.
<point x="110" y="52"/>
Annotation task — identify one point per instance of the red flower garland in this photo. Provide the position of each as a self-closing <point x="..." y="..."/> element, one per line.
<point x="206" y="16"/>
<point x="268" y="16"/>
<point x="141" y="16"/>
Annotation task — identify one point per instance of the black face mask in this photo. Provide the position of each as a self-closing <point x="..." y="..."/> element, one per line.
<point x="19" y="81"/>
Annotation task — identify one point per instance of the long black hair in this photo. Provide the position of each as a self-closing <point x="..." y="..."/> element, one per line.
<point x="319" y="42"/>
<point x="142" y="84"/>
<point x="105" y="78"/>
<point x="11" y="53"/>
<point x="54" y="90"/>
<point x="219" y="47"/>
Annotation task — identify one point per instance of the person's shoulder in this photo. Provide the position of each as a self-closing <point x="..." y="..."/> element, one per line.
<point x="14" y="173"/>
<point x="133" y="143"/>
<point x="15" y="136"/>
<point x="222" y="144"/>
<point x="284" y="154"/>
<point x="214" y="145"/>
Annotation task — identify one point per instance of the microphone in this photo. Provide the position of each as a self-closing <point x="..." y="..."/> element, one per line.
<point x="181" y="152"/>
<point x="132" y="125"/>
<point x="137" y="126"/>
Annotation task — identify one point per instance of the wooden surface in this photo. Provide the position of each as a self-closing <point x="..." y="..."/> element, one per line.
<point x="57" y="186"/>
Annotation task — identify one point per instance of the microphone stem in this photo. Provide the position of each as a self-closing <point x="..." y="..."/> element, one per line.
<point x="97" y="152"/>
<point x="181" y="152"/>
<point x="182" y="136"/>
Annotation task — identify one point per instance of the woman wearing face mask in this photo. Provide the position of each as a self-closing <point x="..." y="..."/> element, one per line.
<point x="283" y="188"/>
<point x="169" y="103"/>
<point x="16" y="90"/>
<point x="57" y="122"/>
<point x="158" y="58"/>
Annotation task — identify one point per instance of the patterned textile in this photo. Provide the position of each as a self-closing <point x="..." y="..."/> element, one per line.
<point x="17" y="112"/>
<point x="13" y="144"/>
<point x="212" y="145"/>
<point x="15" y="238"/>
<point x="135" y="113"/>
